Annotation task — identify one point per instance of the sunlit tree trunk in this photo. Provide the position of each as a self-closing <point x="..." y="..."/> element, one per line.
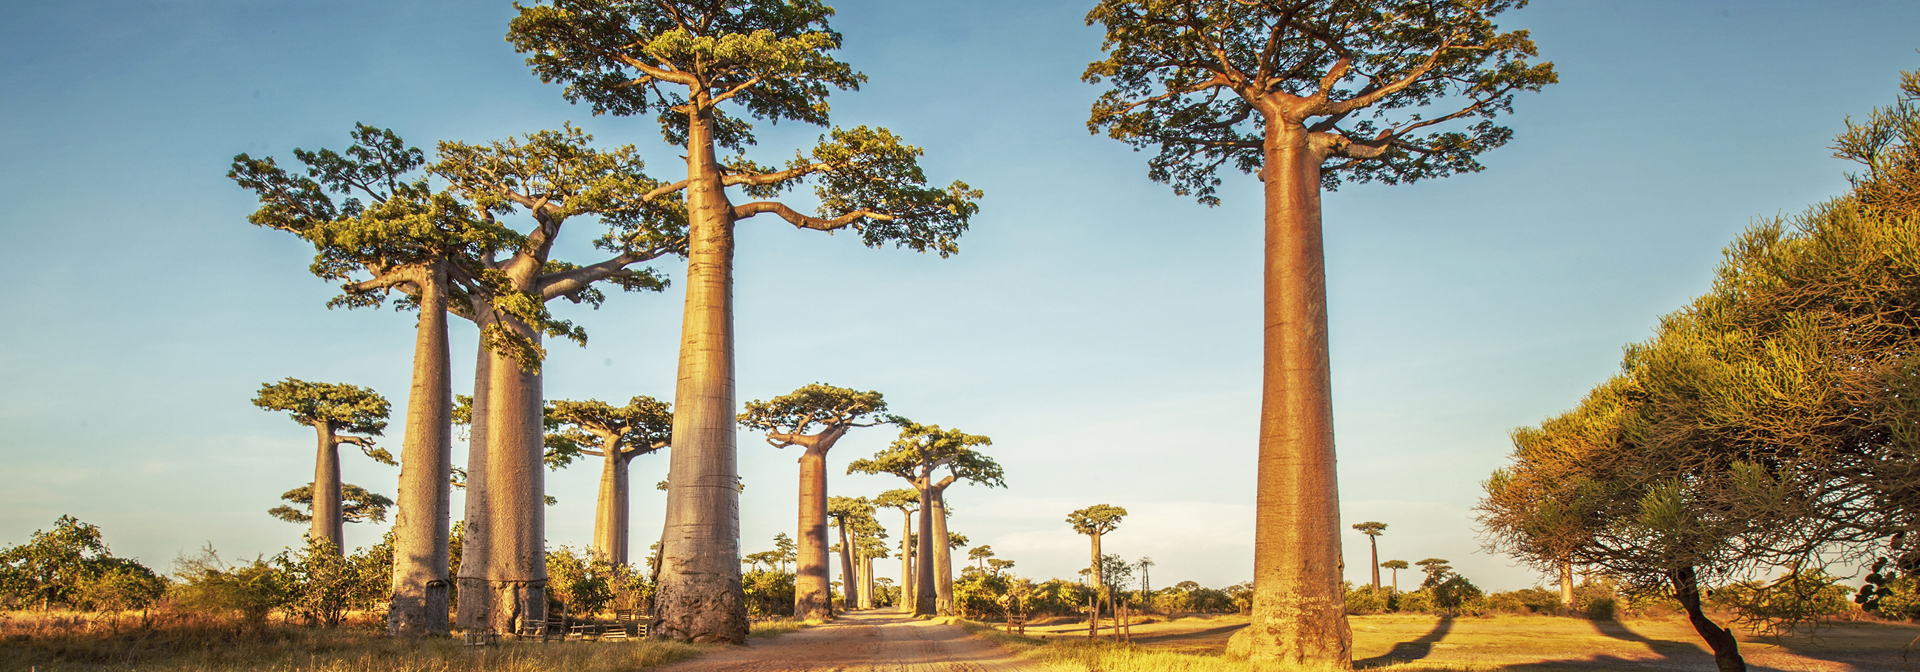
<point x="1566" y="584"/>
<point x="422" y="521"/>
<point x="474" y="605"/>
<point x="327" y="524"/>
<point x="811" y="586"/>
<point x="926" y="597"/>
<point x="700" y="597"/>
<point x="866" y="581"/>
<point x="611" y="514"/>
<point x="849" y="582"/>
<point x="906" y="561"/>
<point x="942" y="552"/>
<point x="1726" y="649"/>
<point x="1373" y="545"/>
<point x="1298" y="610"/>
<point x="516" y="492"/>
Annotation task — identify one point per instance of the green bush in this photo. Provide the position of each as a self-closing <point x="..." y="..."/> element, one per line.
<point x="769" y="592"/>
<point x="1364" y="599"/>
<point x="326" y="584"/>
<point x="72" y="567"/>
<point x="1457" y="595"/>
<point x="1419" y="601"/>
<point x="247" y="593"/>
<point x="1525" y="601"/>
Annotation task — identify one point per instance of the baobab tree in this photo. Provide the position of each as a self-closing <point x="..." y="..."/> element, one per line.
<point x="980" y="555"/>
<point x="616" y="435"/>
<point x="907" y="501"/>
<point x="918" y="456"/>
<point x="1146" y="584"/>
<point x="337" y="412"/>
<point x="850" y="513"/>
<point x="1309" y="94"/>
<point x="1373" y="529"/>
<point x="705" y="69"/>
<point x="784" y="545"/>
<point x="813" y="417"/>
<point x="868" y="545"/>
<point x="551" y="176"/>
<point x="1095" y="521"/>
<point x="358" y="505"/>
<point x="1395" y="566"/>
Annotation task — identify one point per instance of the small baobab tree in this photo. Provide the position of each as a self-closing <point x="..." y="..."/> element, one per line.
<point x="1095" y="521"/>
<point x="918" y="456"/>
<point x="1308" y="94"/>
<point x="1395" y="566"/>
<point x="337" y="412"/>
<point x="850" y="513"/>
<point x="813" y="417"/>
<point x="979" y="556"/>
<point x="1373" y="529"/>
<point x="706" y="69"/>
<point x="358" y="505"/>
<point x="616" y="435"/>
<point x="907" y="501"/>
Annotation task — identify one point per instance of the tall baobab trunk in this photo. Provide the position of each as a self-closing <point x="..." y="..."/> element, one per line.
<point x="1373" y="544"/>
<point x="1298" y="610"/>
<point x="812" y="591"/>
<point x="1093" y="570"/>
<point x="610" y="517"/>
<point x="865" y="567"/>
<point x="849" y="585"/>
<point x="423" y="519"/>
<point x="926" y="597"/>
<point x="1726" y="649"/>
<point x="1566" y="584"/>
<point x="942" y="552"/>
<point x="328" y="523"/>
<point x="700" y="596"/>
<point x="906" y="560"/>
<point x="516" y="492"/>
<point x="474" y="604"/>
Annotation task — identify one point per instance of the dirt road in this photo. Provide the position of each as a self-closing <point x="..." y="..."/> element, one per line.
<point x="887" y="642"/>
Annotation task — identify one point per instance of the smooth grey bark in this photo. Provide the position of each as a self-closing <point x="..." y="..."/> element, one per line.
<point x="611" y="516"/>
<point x="926" y="596"/>
<point x="812" y="593"/>
<point x="906" y="560"/>
<point x="516" y="491"/>
<point x="328" y="524"/>
<point x="475" y="604"/>
<point x="700" y="598"/>
<point x="942" y="550"/>
<point x="423" y="520"/>
<point x="849" y="581"/>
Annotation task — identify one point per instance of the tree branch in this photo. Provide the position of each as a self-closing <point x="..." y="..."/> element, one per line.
<point x="794" y="217"/>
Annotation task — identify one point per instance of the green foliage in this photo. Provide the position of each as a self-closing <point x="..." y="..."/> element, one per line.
<point x="769" y="592"/>
<point x="814" y="408"/>
<point x="577" y="582"/>
<point x="326" y="584"/>
<point x="1201" y="79"/>
<point x="1789" y="599"/>
<point x="593" y="427"/>
<point x="1364" y="599"/>
<point x="72" y="566"/>
<point x="1096" y="519"/>
<point x="350" y="408"/>
<point x="359" y="505"/>
<point x="246" y="593"/>
<point x="922" y="450"/>
<point x="1524" y="601"/>
<point x="979" y="594"/>
<point x="1370" y="528"/>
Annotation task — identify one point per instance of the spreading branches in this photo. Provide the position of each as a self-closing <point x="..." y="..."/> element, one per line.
<point x="593" y="427"/>
<point x="814" y="414"/>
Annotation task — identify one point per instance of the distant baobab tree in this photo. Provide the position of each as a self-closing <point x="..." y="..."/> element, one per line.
<point x="813" y="417"/>
<point x="918" y="456"/>
<point x="907" y="501"/>
<point x="706" y="69"/>
<point x="336" y="412"/>
<point x="1373" y="529"/>
<point x="359" y="505"/>
<point x="1307" y="94"/>
<point x="1094" y="521"/>
<point x="1396" y="566"/>
<point x="616" y="435"/>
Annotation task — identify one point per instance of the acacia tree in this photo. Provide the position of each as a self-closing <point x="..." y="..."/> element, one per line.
<point x="616" y="435"/>
<point x="336" y="412"/>
<point x="813" y="417"/>
<point x="1095" y="521"/>
<point x="358" y="505"/>
<point x="1308" y="93"/>
<point x="1373" y="529"/>
<point x="907" y="501"/>
<point x="551" y="176"/>
<point x="918" y="456"/>
<point x="1395" y="566"/>
<point x="705" y="69"/>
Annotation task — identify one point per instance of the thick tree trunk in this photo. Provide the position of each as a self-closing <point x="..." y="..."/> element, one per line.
<point x="1298" y="611"/>
<point x="423" y="519"/>
<point x="516" y="493"/>
<point x="1373" y="545"/>
<point x="812" y="590"/>
<point x="610" y="515"/>
<point x="906" y="560"/>
<point x="700" y="597"/>
<point x="866" y="581"/>
<point x="1726" y="649"/>
<point x="328" y="524"/>
<point x="942" y="553"/>
<point x="1093" y="570"/>
<point x="472" y="612"/>
<point x="926" y="597"/>
<point x="849" y="584"/>
<point x="1566" y="584"/>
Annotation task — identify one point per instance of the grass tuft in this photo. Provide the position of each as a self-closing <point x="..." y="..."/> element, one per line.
<point x="779" y="626"/>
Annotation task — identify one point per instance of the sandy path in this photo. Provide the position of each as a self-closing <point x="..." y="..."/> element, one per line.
<point x="884" y="641"/>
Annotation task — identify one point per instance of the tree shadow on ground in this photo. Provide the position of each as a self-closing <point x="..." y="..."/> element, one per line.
<point x="1414" y="650"/>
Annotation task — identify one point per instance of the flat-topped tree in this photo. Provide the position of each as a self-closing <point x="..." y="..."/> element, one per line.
<point x="358" y="505"/>
<point x="336" y="412"/>
<point x="907" y="501"/>
<point x="918" y="456"/>
<point x="1373" y="529"/>
<point x="868" y="545"/>
<point x="1395" y="566"/>
<point x="813" y="417"/>
<point x="1309" y="94"/>
<point x="848" y="512"/>
<point x="551" y="177"/>
<point x="1095" y="521"/>
<point x="616" y="435"/>
<point x="705" y="70"/>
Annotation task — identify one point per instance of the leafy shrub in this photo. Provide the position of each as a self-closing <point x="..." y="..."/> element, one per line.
<point x="980" y="594"/>
<point x="1457" y="595"/>
<point x="326" y="584"/>
<point x="71" y="566"/>
<point x="247" y="593"/>
<point x="1364" y="599"/>
<point x="578" y="583"/>
<point x="769" y="592"/>
<point x="1525" y="601"/>
<point x="1791" y="600"/>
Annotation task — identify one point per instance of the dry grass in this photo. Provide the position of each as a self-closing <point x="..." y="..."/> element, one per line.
<point x="66" y="643"/>
<point x="777" y="626"/>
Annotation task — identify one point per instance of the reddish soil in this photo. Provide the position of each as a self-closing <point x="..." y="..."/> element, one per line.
<point x="860" y="642"/>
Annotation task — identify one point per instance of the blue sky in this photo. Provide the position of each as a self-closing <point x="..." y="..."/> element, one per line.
<point x="1103" y="331"/>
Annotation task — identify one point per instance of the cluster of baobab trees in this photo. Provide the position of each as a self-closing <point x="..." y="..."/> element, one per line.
<point x="1307" y="94"/>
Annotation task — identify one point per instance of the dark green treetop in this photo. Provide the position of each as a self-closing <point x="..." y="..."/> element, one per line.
<point x="350" y="409"/>
<point x="359" y="505"/>
<point x="591" y="427"/>
<point x="1096" y="519"/>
